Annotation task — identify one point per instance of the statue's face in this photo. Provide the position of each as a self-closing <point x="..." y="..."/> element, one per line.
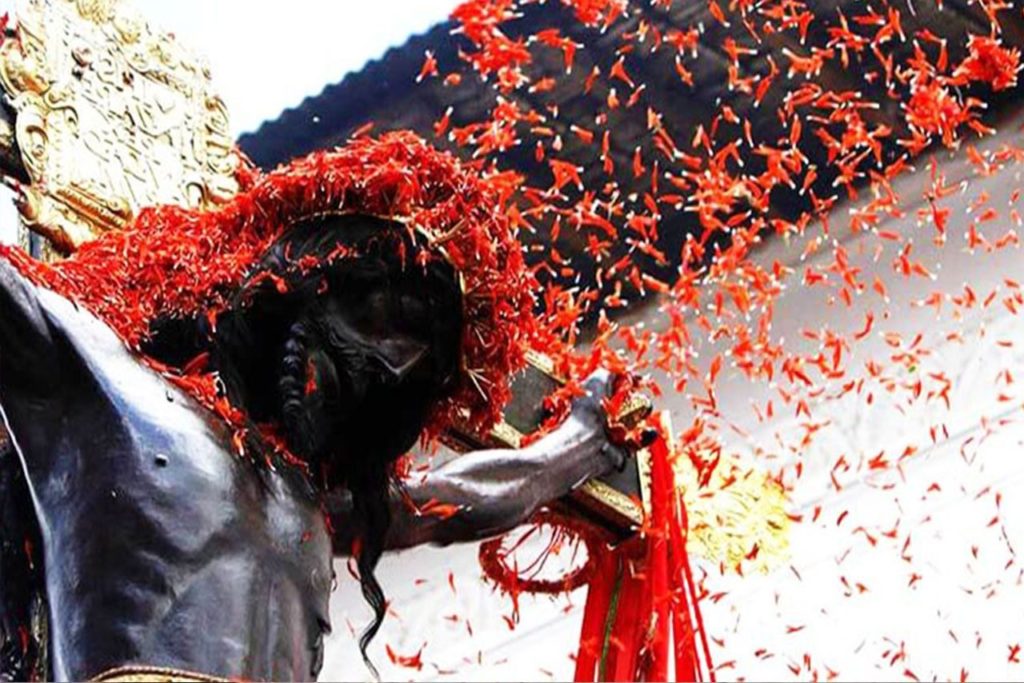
<point x="372" y="366"/>
<point x="349" y="359"/>
<point x="388" y="321"/>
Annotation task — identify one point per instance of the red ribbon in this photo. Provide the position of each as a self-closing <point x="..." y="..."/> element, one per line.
<point x="643" y="605"/>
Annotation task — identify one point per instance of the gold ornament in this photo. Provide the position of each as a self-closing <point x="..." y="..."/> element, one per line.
<point x="738" y="517"/>
<point x="112" y="117"/>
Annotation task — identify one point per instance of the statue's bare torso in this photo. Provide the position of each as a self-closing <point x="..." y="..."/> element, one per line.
<point x="161" y="547"/>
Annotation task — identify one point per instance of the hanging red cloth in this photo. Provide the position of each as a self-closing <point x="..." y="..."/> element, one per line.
<point x="642" y="603"/>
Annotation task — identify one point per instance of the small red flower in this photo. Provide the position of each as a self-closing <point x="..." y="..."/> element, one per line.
<point x="989" y="62"/>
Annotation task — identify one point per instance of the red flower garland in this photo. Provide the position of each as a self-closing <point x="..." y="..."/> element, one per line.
<point x="174" y="261"/>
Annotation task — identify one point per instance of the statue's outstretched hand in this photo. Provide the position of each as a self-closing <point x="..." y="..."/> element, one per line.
<point x="615" y="433"/>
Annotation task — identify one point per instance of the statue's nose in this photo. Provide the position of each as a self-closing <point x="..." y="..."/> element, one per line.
<point x="401" y="356"/>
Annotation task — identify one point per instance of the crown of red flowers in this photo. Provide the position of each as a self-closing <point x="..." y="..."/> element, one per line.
<point x="179" y="262"/>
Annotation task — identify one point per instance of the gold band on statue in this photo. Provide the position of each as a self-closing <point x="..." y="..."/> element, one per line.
<point x="155" y="674"/>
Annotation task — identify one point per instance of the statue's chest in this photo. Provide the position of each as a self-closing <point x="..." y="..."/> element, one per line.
<point x="161" y="545"/>
<point x="171" y="459"/>
<point x="134" y="452"/>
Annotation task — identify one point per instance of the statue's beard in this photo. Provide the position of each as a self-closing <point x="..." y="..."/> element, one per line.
<point x="340" y="405"/>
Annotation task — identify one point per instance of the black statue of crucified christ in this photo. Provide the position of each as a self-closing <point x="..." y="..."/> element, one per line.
<point x="162" y="548"/>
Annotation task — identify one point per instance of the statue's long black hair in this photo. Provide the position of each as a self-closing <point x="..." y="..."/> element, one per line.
<point x="282" y="360"/>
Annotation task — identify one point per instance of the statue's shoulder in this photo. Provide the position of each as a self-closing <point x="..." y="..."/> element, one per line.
<point x="35" y="323"/>
<point x="26" y="341"/>
<point x="17" y="292"/>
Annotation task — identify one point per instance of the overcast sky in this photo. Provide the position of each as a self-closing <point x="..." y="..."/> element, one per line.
<point x="266" y="56"/>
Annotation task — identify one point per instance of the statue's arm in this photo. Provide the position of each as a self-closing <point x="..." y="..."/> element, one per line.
<point x="28" y="358"/>
<point x="486" y="493"/>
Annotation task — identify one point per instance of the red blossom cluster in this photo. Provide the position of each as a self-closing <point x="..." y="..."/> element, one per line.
<point x="989" y="62"/>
